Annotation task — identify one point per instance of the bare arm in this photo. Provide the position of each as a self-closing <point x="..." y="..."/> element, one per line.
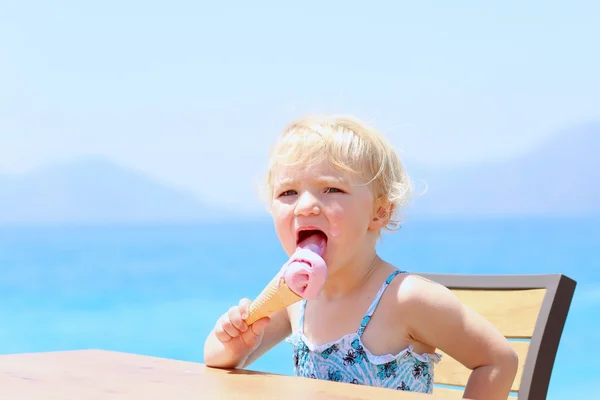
<point x="463" y="335"/>
<point x="233" y="344"/>
<point x="278" y="329"/>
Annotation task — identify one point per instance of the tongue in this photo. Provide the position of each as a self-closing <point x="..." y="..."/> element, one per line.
<point x="306" y="271"/>
<point x="317" y="243"/>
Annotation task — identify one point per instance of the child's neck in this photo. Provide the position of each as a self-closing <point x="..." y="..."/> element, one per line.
<point x="351" y="277"/>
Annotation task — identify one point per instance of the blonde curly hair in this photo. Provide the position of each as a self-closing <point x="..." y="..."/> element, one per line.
<point x="350" y="145"/>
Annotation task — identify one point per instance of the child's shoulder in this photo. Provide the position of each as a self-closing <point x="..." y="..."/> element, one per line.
<point x="417" y="294"/>
<point x="435" y="316"/>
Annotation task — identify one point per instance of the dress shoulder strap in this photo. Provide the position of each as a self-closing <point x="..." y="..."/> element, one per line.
<point x="301" y="318"/>
<point x="371" y="310"/>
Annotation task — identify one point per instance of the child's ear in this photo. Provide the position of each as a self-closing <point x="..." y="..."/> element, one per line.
<point x="382" y="212"/>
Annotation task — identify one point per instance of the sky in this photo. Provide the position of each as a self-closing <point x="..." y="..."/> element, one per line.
<point x="193" y="93"/>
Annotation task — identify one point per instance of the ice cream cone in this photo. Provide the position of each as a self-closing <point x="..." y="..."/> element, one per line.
<point x="275" y="296"/>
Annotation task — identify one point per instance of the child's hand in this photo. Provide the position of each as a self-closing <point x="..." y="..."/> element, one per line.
<point x="235" y="335"/>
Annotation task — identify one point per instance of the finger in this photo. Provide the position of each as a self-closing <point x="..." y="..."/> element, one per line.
<point x="221" y="335"/>
<point x="228" y="326"/>
<point x="255" y="333"/>
<point x="259" y="326"/>
<point x="236" y="319"/>
<point x="244" y="307"/>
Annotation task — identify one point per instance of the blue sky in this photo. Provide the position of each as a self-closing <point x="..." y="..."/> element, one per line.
<point x="194" y="93"/>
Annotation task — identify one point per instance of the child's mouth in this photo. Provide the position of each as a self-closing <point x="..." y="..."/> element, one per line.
<point x="313" y="239"/>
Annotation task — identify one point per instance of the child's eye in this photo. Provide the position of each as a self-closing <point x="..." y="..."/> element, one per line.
<point x="288" y="193"/>
<point x="333" y="190"/>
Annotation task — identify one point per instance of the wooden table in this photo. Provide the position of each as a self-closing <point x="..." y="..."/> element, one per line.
<point x="98" y="374"/>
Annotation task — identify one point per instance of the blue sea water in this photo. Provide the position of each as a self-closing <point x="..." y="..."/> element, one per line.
<point x="158" y="289"/>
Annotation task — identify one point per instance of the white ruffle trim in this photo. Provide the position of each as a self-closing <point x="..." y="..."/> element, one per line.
<point x="297" y="337"/>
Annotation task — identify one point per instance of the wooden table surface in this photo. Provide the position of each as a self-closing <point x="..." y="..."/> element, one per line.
<point x="99" y="374"/>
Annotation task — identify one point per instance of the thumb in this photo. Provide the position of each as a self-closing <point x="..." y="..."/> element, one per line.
<point x="259" y="326"/>
<point x="253" y="335"/>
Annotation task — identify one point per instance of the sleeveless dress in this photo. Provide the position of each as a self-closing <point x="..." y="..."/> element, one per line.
<point x="348" y="360"/>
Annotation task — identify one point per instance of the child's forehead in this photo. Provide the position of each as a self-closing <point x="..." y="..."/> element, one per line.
<point x="324" y="171"/>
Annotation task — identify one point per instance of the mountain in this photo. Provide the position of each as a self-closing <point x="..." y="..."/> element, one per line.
<point x="95" y="190"/>
<point x="562" y="176"/>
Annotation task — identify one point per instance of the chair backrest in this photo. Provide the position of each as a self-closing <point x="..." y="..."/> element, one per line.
<point x="529" y="310"/>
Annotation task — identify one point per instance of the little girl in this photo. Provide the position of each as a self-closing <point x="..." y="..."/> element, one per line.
<point x="372" y="324"/>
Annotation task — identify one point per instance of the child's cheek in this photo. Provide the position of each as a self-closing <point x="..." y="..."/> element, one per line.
<point x="287" y="241"/>
<point x="283" y="230"/>
<point x="335" y="223"/>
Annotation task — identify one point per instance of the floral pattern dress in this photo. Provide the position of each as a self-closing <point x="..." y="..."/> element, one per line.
<point x="348" y="360"/>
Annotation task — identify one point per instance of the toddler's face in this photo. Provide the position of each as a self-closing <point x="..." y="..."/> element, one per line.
<point x="322" y="197"/>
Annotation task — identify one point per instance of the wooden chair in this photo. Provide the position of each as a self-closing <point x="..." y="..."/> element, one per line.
<point x="529" y="310"/>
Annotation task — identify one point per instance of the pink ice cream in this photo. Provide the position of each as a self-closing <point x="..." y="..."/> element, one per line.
<point x="305" y="273"/>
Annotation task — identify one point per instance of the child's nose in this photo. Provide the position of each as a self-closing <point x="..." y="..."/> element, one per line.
<point x="307" y="205"/>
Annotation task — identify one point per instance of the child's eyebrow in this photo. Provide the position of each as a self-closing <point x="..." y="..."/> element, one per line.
<point x="330" y="180"/>
<point x="284" y="182"/>
<point x="321" y="180"/>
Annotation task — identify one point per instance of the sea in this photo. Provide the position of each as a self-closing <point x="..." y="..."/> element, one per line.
<point x="158" y="289"/>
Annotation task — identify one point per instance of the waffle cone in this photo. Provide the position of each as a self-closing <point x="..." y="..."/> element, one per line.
<point x="275" y="296"/>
